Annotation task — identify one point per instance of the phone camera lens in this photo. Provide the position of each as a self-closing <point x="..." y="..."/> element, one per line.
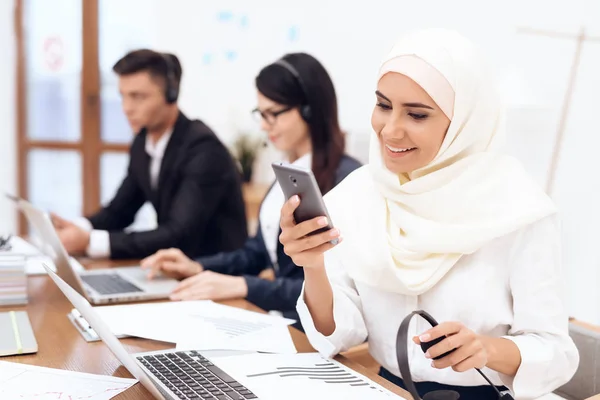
<point x="293" y="179"/>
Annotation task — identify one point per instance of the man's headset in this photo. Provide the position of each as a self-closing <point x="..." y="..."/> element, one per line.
<point x="402" y="356"/>
<point x="171" y="86"/>
<point x="305" y="110"/>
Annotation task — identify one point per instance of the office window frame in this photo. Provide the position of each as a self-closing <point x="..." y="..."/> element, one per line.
<point x="90" y="145"/>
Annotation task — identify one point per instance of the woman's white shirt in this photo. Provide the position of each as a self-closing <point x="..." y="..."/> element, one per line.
<point x="510" y="288"/>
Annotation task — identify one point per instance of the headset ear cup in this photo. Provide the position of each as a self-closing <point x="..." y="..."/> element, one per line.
<point x="172" y="96"/>
<point x="305" y="112"/>
<point x="171" y="89"/>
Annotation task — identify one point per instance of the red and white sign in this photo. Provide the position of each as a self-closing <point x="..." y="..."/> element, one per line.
<point x="54" y="53"/>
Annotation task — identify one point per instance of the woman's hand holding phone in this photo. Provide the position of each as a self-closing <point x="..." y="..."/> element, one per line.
<point x="304" y="249"/>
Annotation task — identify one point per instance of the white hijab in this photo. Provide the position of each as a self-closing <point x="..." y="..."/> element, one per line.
<point x="405" y="237"/>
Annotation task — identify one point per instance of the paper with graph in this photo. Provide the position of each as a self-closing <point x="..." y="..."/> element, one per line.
<point x="239" y="335"/>
<point x="300" y="376"/>
<point x="28" y="382"/>
<point x="201" y="325"/>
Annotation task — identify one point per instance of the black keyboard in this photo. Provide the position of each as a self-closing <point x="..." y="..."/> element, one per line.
<point x="190" y="376"/>
<point x="109" y="284"/>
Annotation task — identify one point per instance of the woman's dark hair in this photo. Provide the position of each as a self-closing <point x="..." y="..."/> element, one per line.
<point x="313" y="88"/>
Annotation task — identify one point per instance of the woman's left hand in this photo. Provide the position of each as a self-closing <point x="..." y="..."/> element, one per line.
<point x="470" y="348"/>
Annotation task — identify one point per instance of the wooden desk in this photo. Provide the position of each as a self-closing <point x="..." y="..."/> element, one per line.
<point x="61" y="346"/>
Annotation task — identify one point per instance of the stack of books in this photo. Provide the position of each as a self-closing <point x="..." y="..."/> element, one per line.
<point x="13" y="280"/>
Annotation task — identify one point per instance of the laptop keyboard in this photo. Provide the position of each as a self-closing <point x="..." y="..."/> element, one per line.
<point x="191" y="376"/>
<point x="109" y="284"/>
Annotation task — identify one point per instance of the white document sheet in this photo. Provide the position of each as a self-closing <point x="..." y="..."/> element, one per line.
<point x="148" y="320"/>
<point x="270" y="339"/>
<point x="28" y="382"/>
<point x="34" y="258"/>
<point x="300" y="376"/>
<point x="201" y="325"/>
<point x="21" y="246"/>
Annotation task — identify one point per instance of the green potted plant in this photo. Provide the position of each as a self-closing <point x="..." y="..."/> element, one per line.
<point x="245" y="150"/>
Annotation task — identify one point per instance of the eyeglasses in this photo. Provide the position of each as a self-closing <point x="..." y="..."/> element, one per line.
<point x="270" y="117"/>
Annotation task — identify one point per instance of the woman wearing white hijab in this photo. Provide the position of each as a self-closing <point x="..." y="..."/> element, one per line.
<point x="441" y="221"/>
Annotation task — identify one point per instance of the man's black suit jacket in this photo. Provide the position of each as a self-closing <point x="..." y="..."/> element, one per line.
<point x="198" y="199"/>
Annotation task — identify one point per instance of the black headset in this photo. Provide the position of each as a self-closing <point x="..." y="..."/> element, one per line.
<point x="402" y="356"/>
<point x="305" y="110"/>
<point x="171" y="86"/>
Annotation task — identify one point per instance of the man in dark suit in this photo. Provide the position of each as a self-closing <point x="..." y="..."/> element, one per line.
<point x="178" y="165"/>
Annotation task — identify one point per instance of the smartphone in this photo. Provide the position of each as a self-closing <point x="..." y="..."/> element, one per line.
<point x="295" y="180"/>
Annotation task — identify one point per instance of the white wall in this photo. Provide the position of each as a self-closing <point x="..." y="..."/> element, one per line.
<point x="7" y="116"/>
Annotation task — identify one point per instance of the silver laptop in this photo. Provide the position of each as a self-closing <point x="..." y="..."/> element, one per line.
<point x="167" y="374"/>
<point x="99" y="286"/>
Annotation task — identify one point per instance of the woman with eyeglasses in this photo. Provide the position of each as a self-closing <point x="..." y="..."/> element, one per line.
<point x="297" y="108"/>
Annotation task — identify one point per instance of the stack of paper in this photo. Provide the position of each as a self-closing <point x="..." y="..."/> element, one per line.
<point x="13" y="280"/>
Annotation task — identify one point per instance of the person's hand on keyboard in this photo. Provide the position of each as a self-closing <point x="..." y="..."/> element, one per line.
<point x="210" y="285"/>
<point x="172" y="263"/>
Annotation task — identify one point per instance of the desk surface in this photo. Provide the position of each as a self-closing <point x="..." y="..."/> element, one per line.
<point x="61" y="346"/>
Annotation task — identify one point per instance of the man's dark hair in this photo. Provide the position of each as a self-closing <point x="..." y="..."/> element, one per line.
<point x="157" y="64"/>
